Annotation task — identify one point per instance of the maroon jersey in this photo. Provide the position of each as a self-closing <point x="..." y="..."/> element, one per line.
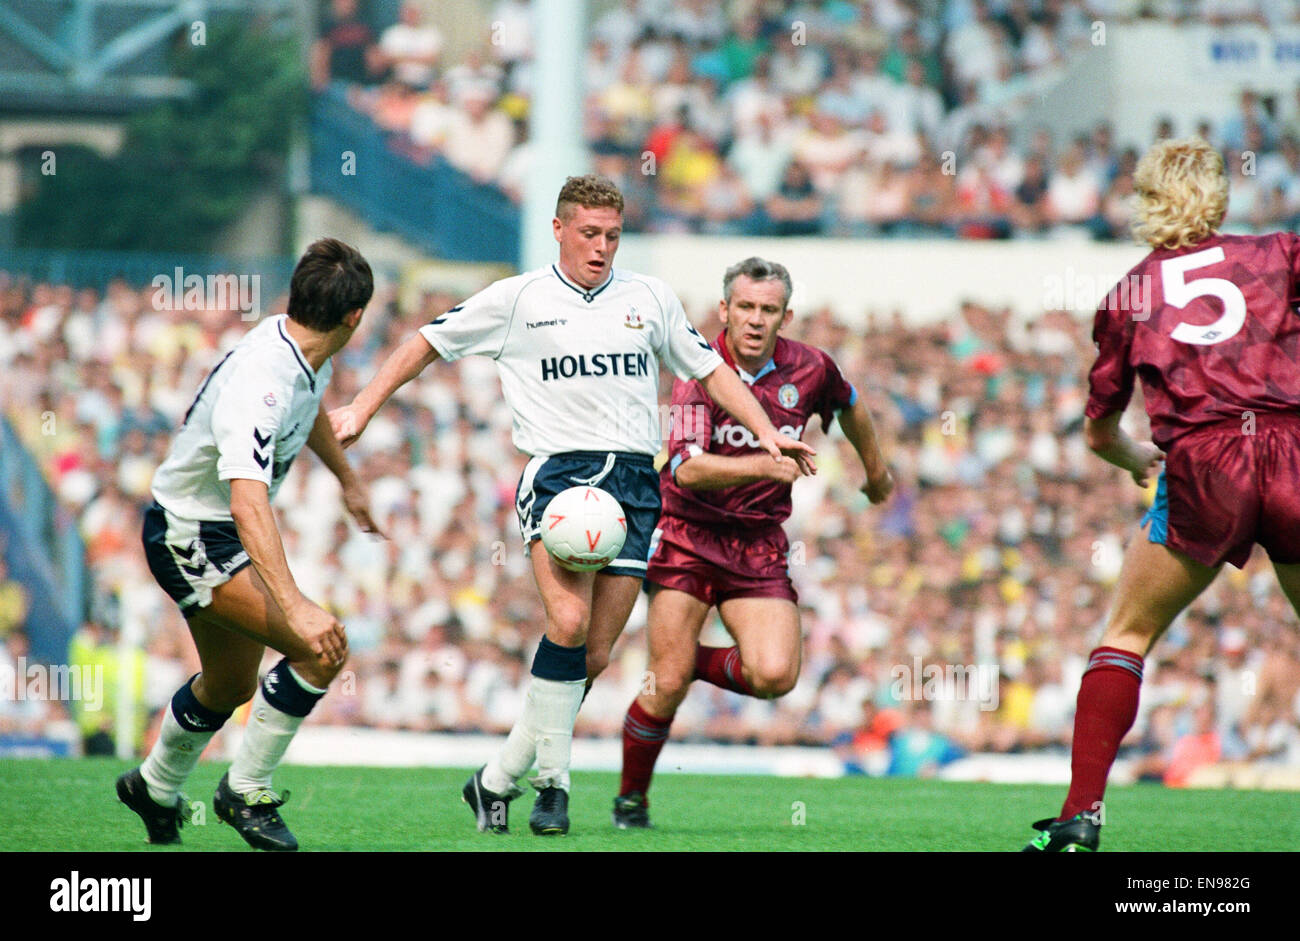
<point x="1211" y="330"/>
<point x="800" y="381"/>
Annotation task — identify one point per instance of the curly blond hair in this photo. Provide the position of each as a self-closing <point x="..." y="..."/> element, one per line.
<point x="1182" y="193"/>
<point x="589" y="192"/>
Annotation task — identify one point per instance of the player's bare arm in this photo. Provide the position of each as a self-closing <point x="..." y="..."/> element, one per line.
<point x="719" y="471"/>
<point x="861" y="432"/>
<point x="405" y="363"/>
<point x="250" y="508"/>
<point x="1112" y="443"/>
<point x="725" y="388"/>
<point x="356" y="495"/>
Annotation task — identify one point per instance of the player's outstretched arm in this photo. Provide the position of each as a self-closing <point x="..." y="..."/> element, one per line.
<point x="250" y="507"/>
<point x="718" y="471"/>
<point x="725" y="388"/>
<point x="1112" y="443"/>
<point x="406" y="362"/>
<point x="861" y="432"/>
<point x="356" y="496"/>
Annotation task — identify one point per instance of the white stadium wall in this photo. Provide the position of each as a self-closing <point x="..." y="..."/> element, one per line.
<point x="924" y="279"/>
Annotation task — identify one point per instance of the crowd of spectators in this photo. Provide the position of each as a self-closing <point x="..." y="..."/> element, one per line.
<point x="883" y="117"/>
<point x="993" y="562"/>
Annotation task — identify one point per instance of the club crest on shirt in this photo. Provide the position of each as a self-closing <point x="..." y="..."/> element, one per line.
<point x="788" y="395"/>
<point x="269" y="399"/>
<point x="632" y="320"/>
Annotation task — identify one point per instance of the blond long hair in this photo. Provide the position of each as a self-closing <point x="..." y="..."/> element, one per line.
<point x="1182" y="193"/>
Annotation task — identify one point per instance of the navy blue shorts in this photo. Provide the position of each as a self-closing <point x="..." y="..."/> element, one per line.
<point x="189" y="558"/>
<point x="630" y="478"/>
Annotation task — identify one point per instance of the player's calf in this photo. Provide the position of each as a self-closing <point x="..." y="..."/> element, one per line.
<point x="224" y="694"/>
<point x="597" y="661"/>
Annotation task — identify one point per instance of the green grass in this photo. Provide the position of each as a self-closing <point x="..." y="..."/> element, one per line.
<point x="70" y="805"/>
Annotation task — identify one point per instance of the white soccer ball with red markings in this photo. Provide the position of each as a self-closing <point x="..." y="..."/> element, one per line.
<point x="584" y="528"/>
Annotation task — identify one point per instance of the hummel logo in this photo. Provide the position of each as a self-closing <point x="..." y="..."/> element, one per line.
<point x="194" y="557"/>
<point x="262" y="459"/>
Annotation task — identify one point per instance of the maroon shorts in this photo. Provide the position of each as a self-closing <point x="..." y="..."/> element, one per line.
<point x="715" y="565"/>
<point x="1228" y="486"/>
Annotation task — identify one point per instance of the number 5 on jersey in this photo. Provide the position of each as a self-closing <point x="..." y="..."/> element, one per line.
<point x="1179" y="293"/>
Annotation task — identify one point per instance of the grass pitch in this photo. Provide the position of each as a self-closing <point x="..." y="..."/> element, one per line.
<point x="70" y="805"/>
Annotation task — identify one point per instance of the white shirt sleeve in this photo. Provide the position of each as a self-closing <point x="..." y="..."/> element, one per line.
<point x="685" y="351"/>
<point x="246" y="418"/>
<point x="477" y="326"/>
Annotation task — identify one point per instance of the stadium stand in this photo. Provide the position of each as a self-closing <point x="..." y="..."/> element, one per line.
<point x="715" y="126"/>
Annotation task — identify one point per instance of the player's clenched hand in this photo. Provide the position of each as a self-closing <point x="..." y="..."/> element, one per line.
<point x="879" y="489"/>
<point x="1146" y="461"/>
<point x="356" y="500"/>
<point x="347" y="423"/>
<point x="784" y="470"/>
<point x="800" y="453"/>
<point x="321" y="632"/>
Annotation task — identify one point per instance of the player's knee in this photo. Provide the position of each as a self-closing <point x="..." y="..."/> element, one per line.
<point x="772" y="680"/>
<point x="568" y="626"/>
<point x="666" y="686"/>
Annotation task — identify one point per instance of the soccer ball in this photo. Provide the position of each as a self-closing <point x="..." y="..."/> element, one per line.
<point x="583" y="528"/>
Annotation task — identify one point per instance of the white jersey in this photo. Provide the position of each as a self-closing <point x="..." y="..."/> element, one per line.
<point x="579" y="368"/>
<point x="250" y="418"/>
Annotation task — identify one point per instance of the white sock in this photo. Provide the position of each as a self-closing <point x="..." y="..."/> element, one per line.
<point x="266" y="739"/>
<point x="543" y="732"/>
<point x="172" y="758"/>
<point x="515" y="758"/>
<point x="558" y="702"/>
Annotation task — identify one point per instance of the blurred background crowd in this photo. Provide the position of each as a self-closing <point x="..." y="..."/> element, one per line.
<point x="998" y="549"/>
<point x="878" y="117"/>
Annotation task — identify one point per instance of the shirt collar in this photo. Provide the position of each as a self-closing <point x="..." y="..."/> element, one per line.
<point x="720" y="344"/>
<point x="302" y="360"/>
<point x="587" y="293"/>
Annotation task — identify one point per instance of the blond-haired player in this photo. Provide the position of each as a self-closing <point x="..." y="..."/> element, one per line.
<point x="1208" y="323"/>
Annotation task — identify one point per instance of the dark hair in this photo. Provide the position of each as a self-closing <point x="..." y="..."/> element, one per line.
<point x="330" y="280"/>
<point x="757" y="269"/>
